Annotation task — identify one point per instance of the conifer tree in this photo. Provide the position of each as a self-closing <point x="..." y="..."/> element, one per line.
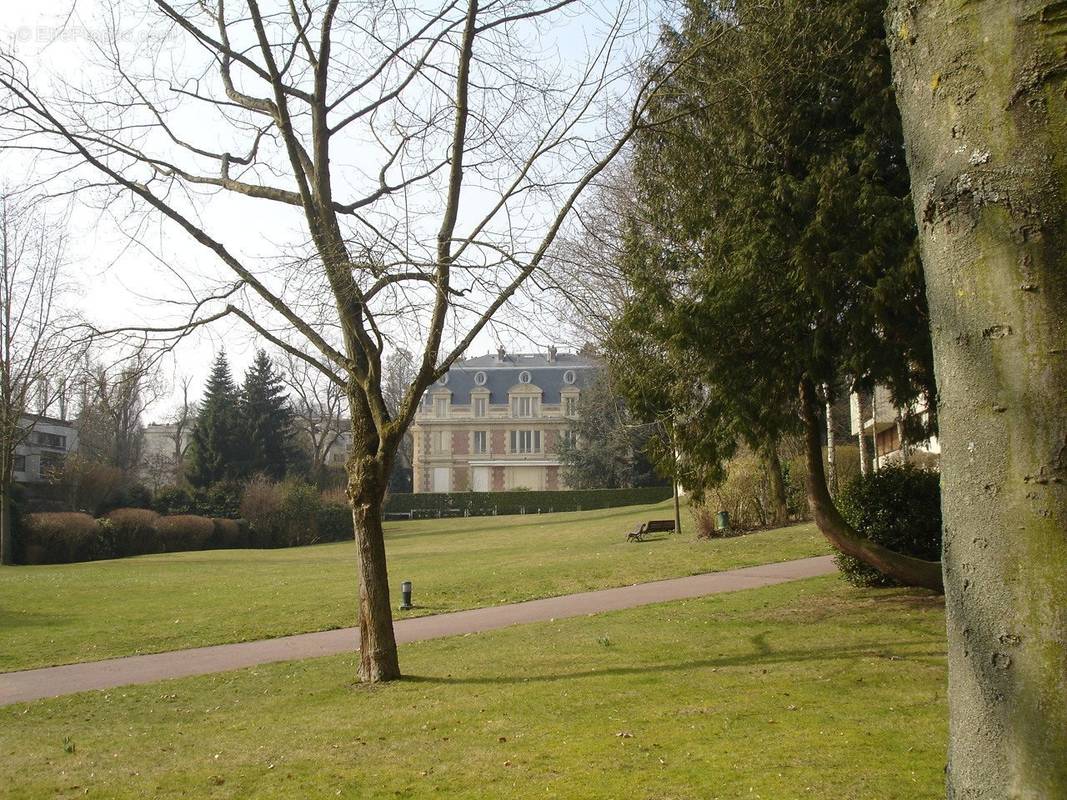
<point x="267" y="422"/>
<point x="217" y="442"/>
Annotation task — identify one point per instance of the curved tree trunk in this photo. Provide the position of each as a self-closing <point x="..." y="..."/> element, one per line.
<point x="779" y="504"/>
<point x="904" y="569"/>
<point x="981" y="87"/>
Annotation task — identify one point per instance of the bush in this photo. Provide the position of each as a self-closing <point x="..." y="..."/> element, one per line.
<point x="129" y="532"/>
<point x="58" y="537"/>
<point x="173" y="500"/>
<point x="335" y="523"/>
<point x="898" y="507"/>
<point x="521" y="501"/>
<point x="185" y="532"/>
<point x="230" y="533"/>
<point x="281" y="514"/>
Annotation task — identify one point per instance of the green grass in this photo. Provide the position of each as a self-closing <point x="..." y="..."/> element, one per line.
<point x="81" y="612"/>
<point x="811" y="689"/>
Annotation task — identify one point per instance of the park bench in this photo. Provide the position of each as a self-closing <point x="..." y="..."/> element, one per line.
<point x="639" y="533"/>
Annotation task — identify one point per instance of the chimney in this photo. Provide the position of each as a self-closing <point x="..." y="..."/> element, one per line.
<point x="551" y="354"/>
<point x="500" y="353"/>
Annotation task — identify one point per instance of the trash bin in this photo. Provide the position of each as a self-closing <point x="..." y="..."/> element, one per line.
<point x="722" y="520"/>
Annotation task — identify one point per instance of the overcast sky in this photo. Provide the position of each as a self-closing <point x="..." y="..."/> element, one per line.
<point x="132" y="270"/>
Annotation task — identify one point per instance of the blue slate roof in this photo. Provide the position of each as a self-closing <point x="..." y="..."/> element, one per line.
<point x="500" y="376"/>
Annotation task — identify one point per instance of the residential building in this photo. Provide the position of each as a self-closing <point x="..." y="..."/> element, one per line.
<point x="43" y="451"/>
<point x="160" y="462"/>
<point x="494" y="423"/>
<point x="883" y="423"/>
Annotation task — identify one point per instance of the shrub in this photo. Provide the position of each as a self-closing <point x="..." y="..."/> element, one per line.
<point x="281" y="514"/>
<point x="173" y="500"/>
<point x="519" y="501"/>
<point x="335" y="523"/>
<point x="230" y="533"/>
<point x="185" y="532"/>
<point x="58" y="537"/>
<point x="898" y="507"/>
<point x="129" y="532"/>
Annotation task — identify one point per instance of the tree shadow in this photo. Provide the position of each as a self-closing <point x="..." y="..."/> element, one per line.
<point x="763" y="655"/>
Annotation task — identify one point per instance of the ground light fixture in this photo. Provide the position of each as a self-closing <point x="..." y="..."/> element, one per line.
<point x="405" y="596"/>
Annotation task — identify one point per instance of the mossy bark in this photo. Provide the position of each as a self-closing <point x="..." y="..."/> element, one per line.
<point x="981" y="87"/>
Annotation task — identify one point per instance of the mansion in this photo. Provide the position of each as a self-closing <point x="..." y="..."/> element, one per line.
<point x="493" y="423"/>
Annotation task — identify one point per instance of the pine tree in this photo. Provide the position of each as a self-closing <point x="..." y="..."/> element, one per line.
<point x="217" y="435"/>
<point x="267" y="422"/>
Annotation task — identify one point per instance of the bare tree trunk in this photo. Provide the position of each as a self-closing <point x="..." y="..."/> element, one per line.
<point x="378" y="660"/>
<point x="779" y="504"/>
<point x="831" y="448"/>
<point x="981" y="91"/>
<point x="864" y="467"/>
<point x="904" y="569"/>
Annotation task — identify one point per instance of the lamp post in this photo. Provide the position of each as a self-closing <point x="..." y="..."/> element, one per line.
<point x="405" y="596"/>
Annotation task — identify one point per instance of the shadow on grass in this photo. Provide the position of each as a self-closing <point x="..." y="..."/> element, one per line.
<point x="764" y="656"/>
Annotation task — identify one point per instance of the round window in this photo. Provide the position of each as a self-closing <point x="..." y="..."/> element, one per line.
<point x="568" y="377"/>
<point x="444" y="380"/>
<point x="524" y="377"/>
<point x="479" y="378"/>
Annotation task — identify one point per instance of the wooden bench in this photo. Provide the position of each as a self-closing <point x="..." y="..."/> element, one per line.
<point x="639" y="533"/>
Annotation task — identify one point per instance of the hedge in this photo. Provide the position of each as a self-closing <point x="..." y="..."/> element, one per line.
<point x="477" y="504"/>
<point x="58" y="537"/>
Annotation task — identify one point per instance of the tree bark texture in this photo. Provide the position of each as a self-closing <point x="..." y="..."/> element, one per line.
<point x="904" y="569"/>
<point x="779" y="504"/>
<point x="981" y="87"/>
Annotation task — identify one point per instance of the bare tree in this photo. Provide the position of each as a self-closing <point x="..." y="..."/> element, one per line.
<point x="318" y="411"/>
<point x="35" y="350"/>
<point x="114" y="401"/>
<point x="430" y="152"/>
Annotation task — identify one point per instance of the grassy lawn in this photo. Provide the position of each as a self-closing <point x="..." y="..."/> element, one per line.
<point x="81" y="612"/>
<point x="805" y="690"/>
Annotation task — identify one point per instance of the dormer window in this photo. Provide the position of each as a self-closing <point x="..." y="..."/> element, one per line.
<point x="570" y="406"/>
<point x="440" y="407"/>
<point x="524" y="377"/>
<point x="479" y="378"/>
<point x="569" y="377"/>
<point x="523" y="406"/>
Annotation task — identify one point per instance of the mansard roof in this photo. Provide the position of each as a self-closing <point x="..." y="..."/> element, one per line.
<point x="502" y="371"/>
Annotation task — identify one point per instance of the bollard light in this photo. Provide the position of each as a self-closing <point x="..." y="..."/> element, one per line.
<point x="405" y="596"/>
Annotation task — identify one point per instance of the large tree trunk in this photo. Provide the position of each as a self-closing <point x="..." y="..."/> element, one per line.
<point x="378" y="660"/>
<point x="779" y="505"/>
<point x="904" y="569"/>
<point x="981" y="87"/>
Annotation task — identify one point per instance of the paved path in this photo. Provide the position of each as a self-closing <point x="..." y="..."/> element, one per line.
<point x="35" y="684"/>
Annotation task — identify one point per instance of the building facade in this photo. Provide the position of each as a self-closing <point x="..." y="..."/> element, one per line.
<point x="494" y="423"/>
<point x="43" y="451"/>
<point x="882" y="422"/>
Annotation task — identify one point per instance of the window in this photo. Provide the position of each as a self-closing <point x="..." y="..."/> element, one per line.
<point x="481" y="439"/>
<point x="479" y="378"/>
<point x="480" y="404"/>
<point x="20" y="463"/>
<point x="570" y="406"/>
<point x="524" y="377"/>
<point x="568" y="438"/>
<point x="568" y="377"/>
<point x="440" y="407"/>
<point x="439" y="442"/>
<point x="522" y="407"/>
<point x="526" y="441"/>
<point x="50" y="440"/>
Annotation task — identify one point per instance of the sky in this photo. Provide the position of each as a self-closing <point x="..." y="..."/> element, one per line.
<point x="137" y="270"/>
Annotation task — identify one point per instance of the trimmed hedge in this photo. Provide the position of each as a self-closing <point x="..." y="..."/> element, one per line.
<point x="478" y="504"/>
<point x="129" y="532"/>
<point x="335" y="523"/>
<point x="185" y="532"/>
<point x="58" y="537"/>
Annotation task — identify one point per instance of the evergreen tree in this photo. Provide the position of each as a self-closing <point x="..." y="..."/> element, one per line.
<point x="218" y="439"/>
<point x="775" y="247"/>
<point x="267" y="422"/>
